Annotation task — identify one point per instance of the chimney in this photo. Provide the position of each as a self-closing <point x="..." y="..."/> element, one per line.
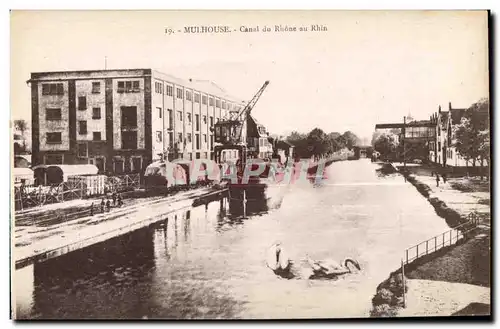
<point x="190" y="80"/>
<point x="449" y="106"/>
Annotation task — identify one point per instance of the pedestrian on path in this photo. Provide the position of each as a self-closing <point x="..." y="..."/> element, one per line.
<point x="108" y="205"/>
<point x="102" y="205"/>
<point x="437" y="179"/>
<point x="92" y="209"/>
<point x="444" y="177"/>
<point x="114" y="198"/>
<point x="120" y="202"/>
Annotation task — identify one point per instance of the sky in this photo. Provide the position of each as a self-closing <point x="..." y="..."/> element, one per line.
<point x="368" y="67"/>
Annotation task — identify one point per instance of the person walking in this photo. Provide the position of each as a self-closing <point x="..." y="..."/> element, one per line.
<point x="437" y="179"/>
<point x="102" y="205"/>
<point x="108" y="205"/>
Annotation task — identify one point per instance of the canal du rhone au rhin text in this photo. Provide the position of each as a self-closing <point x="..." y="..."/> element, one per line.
<point x="247" y="29"/>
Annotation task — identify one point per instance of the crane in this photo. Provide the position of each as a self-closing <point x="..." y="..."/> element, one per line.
<point x="229" y="131"/>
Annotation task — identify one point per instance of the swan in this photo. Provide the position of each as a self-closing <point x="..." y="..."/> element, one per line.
<point x="277" y="258"/>
<point x="331" y="268"/>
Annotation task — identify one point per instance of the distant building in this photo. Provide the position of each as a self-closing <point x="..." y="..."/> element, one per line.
<point x="446" y="154"/>
<point x="122" y="120"/>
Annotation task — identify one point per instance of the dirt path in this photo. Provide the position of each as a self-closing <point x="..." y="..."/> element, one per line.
<point x="440" y="298"/>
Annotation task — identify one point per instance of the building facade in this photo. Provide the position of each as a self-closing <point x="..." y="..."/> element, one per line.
<point x="445" y="153"/>
<point x="122" y="120"/>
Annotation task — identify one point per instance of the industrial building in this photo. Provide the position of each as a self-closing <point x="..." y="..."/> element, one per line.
<point x="122" y="120"/>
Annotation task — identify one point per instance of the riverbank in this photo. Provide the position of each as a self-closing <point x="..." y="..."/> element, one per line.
<point x="454" y="280"/>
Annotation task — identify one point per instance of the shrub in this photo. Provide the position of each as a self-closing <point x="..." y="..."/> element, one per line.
<point x="383" y="296"/>
<point x="383" y="310"/>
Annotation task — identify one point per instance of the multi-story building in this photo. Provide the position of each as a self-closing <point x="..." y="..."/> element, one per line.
<point x="446" y="154"/>
<point x="122" y="120"/>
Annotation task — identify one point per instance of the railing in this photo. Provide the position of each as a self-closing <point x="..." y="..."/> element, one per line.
<point x="440" y="241"/>
<point x="446" y="239"/>
<point x="26" y="196"/>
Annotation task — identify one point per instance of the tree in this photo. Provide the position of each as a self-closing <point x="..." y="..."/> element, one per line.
<point x="386" y="144"/>
<point x="472" y="140"/>
<point x="21" y="125"/>
<point x="350" y="139"/>
<point x="317" y="142"/>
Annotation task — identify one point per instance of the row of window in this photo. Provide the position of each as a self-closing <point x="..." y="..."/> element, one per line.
<point x="55" y="114"/>
<point x="159" y="139"/>
<point x="56" y="138"/>
<point x="189" y="96"/>
<point x="58" y="88"/>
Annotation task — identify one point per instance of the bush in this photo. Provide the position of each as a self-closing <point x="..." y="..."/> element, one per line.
<point x="383" y="310"/>
<point x="383" y="296"/>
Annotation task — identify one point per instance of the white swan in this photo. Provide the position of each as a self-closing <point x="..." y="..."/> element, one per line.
<point x="330" y="267"/>
<point x="277" y="258"/>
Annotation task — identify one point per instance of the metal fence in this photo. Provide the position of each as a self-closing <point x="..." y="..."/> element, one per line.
<point x="26" y="196"/>
<point x="442" y="240"/>
<point x="451" y="237"/>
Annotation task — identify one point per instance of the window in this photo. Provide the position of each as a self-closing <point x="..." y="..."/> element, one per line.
<point x="188" y="138"/>
<point x="96" y="113"/>
<point x="159" y="87"/>
<point x="211" y="101"/>
<point x="170" y="119"/>
<point x="211" y="121"/>
<point x="197" y="121"/>
<point x="197" y="141"/>
<point x="224" y="105"/>
<point x="52" y="114"/>
<point x="82" y="127"/>
<point x="179" y="93"/>
<point x="188" y="116"/>
<point x="188" y="96"/>
<point x="129" y="140"/>
<point x="52" y="89"/>
<point x="204" y="100"/>
<point x="211" y="142"/>
<point x="229" y="106"/>
<point x="81" y="150"/>
<point x="158" y="137"/>
<point x="205" y="138"/>
<point x="159" y="112"/>
<point x="179" y="113"/>
<point x="96" y="87"/>
<point x="196" y="97"/>
<point x="170" y="90"/>
<point x="96" y="135"/>
<point x="217" y="103"/>
<point x="129" y="117"/>
<point x="171" y="139"/>
<point x="204" y="119"/>
<point x="136" y="164"/>
<point x="118" y="165"/>
<point x="82" y="103"/>
<point x="128" y="86"/>
<point x="54" y="138"/>
<point x="180" y="137"/>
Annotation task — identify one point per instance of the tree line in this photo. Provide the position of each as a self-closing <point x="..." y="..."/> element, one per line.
<point x="318" y="144"/>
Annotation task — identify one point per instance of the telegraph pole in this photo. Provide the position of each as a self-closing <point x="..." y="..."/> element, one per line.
<point x="404" y="144"/>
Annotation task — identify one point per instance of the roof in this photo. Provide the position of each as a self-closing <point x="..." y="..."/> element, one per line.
<point x="443" y="119"/>
<point x="456" y="115"/>
<point x="22" y="172"/>
<point x="72" y="170"/>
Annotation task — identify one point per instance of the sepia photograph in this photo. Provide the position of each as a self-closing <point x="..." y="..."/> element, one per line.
<point x="250" y="164"/>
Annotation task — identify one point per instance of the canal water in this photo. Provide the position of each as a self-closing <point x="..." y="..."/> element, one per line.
<point x="209" y="261"/>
